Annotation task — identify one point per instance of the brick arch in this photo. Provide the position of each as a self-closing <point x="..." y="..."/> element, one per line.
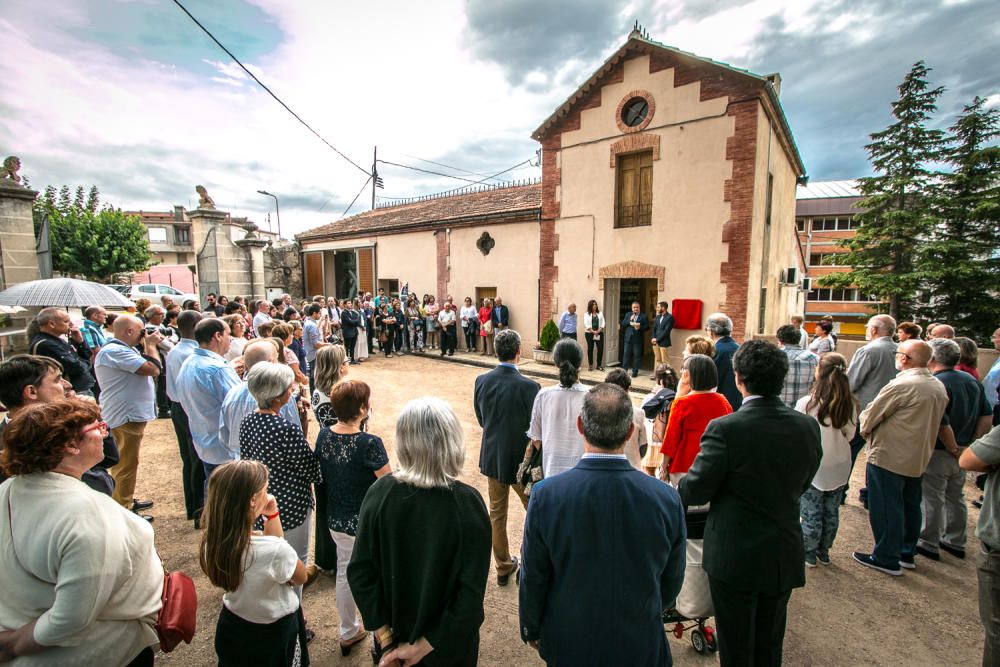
<point x="636" y="142"/>
<point x="632" y="270"/>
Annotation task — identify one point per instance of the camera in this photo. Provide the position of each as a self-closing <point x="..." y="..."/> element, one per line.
<point x="151" y="329"/>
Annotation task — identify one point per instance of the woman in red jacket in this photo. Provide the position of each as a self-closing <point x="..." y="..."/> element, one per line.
<point x="689" y="416"/>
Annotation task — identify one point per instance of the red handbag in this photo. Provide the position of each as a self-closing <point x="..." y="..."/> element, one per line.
<point x="179" y="613"/>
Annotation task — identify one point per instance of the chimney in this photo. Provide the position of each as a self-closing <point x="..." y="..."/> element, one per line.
<point x="178" y="213"/>
<point x="775" y="80"/>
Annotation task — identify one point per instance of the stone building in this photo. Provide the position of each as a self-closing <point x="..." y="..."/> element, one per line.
<point x="665" y="176"/>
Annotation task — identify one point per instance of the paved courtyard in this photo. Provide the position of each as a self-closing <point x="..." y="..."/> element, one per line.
<point x="846" y="615"/>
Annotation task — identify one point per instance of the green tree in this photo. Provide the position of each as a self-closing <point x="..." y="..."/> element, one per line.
<point x="98" y="245"/>
<point x="549" y="336"/>
<point x="64" y="202"/>
<point x="898" y="204"/>
<point x="93" y="199"/>
<point x="960" y="264"/>
<point x="78" y="199"/>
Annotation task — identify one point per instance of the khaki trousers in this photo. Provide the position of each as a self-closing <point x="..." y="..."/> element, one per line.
<point x="129" y="438"/>
<point x="660" y="354"/>
<point x="499" y="493"/>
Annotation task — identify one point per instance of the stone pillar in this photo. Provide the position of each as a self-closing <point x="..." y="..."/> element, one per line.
<point x="254" y="249"/>
<point x="207" y="233"/>
<point x="18" y="261"/>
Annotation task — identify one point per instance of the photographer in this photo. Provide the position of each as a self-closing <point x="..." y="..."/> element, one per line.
<point x="126" y="367"/>
<point x="154" y="324"/>
<point x="47" y="334"/>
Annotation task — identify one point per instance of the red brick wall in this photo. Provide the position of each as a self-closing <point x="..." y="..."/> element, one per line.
<point x="737" y="233"/>
<point x="548" y="273"/>
<point x="443" y="272"/>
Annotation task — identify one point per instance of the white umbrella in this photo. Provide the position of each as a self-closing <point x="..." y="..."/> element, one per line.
<point x="11" y="310"/>
<point x="64" y="292"/>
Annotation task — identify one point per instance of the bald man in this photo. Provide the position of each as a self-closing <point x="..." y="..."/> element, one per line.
<point x="126" y="367"/>
<point x="942" y="331"/>
<point x="901" y="426"/>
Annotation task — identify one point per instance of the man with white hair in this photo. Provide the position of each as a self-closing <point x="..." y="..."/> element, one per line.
<point x="720" y="327"/>
<point x="239" y="402"/>
<point x="154" y="321"/>
<point x="54" y="329"/>
<point x="128" y="399"/>
<point x="969" y="417"/>
<point x="261" y="310"/>
<point x="872" y="367"/>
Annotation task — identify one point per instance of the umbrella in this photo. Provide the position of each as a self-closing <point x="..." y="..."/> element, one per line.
<point x="62" y="292"/>
<point x="11" y="310"/>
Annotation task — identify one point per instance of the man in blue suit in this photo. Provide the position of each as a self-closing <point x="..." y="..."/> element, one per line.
<point x="636" y="325"/>
<point x="720" y="328"/>
<point x="603" y="551"/>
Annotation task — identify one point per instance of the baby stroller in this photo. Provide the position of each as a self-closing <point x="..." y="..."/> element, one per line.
<point x="693" y="606"/>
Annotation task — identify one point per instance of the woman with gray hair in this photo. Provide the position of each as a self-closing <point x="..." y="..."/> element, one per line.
<point x="267" y="437"/>
<point x="422" y="552"/>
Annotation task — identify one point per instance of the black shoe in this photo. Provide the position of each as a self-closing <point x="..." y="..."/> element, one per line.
<point x="163" y="415"/>
<point x="978" y="504"/>
<point x="928" y="554"/>
<point x="140" y="505"/>
<point x="869" y="561"/>
<point x="907" y="562"/>
<point x="310" y="635"/>
<point x="957" y="552"/>
<point x="635" y="375"/>
<point x="504" y="579"/>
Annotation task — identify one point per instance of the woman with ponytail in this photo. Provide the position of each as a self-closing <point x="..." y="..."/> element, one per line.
<point x="553" y="416"/>
<point x="834" y="407"/>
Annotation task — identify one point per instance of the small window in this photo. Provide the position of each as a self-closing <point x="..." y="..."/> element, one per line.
<point x="157" y="234"/>
<point x="800" y="224"/>
<point x="843" y="224"/>
<point x="182" y="234"/>
<point x="635" y="111"/>
<point x="634" y="191"/>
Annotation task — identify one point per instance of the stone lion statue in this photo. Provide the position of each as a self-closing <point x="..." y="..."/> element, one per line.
<point x="10" y="168"/>
<point x="204" y="201"/>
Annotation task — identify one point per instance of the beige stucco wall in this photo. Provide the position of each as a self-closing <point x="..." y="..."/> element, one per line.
<point x="511" y="267"/>
<point x="783" y="301"/>
<point x="688" y="208"/>
<point x="410" y="257"/>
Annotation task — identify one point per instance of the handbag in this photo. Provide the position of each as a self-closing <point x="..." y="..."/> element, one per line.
<point x="179" y="612"/>
<point x="488" y="327"/>
<point x="530" y="470"/>
<point x="660" y="422"/>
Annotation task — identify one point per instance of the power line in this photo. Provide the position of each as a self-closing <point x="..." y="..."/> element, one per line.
<point x="446" y="166"/>
<point x="261" y="84"/>
<point x="355" y="197"/>
<point x="427" y="171"/>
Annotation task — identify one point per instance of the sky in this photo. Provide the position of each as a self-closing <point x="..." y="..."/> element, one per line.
<point x="131" y="96"/>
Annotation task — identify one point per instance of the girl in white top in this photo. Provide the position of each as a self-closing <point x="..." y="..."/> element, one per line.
<point x="554" y="413"/>
<point x="261" y="620"/>
<point x="834" y="407"/>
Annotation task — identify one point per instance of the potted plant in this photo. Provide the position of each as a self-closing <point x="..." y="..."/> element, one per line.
<point x="546" y="341"/>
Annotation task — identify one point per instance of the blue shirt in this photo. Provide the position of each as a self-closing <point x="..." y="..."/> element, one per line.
<point x="93" y="335"/>
<point x="202" y="385"/>
<point x="567" y="323"/>
<point x="175" y="359"/>
<point x="125" y="396"/>
<point x="991" y="382"/>
<point x="238" y="404"/>
<point x="310" y="336"/>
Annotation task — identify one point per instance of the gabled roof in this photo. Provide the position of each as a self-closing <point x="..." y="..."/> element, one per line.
<point x="638" y="43"/>
<point x="828" y="190"/>
<point x="495" y="204"/>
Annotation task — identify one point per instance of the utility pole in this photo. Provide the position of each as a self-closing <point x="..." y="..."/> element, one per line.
<point x="374" y="174"/>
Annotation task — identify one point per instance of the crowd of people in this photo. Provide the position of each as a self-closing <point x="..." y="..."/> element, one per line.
<point x="760" y="437"/>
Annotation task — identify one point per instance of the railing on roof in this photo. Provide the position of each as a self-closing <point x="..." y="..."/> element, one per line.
<point x="389" y="202"/>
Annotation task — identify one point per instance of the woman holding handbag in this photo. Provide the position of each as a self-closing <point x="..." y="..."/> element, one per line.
<point x="593" y="321"/>
<point x="385" y="323"/>
<point x="99" y="597"/>
<point x="261" y="619"/>
<point x="486" y="326"/>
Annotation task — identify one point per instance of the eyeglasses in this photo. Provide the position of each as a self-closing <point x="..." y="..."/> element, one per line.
<point x="99" y="426"/>
<point x="903" y="354"/>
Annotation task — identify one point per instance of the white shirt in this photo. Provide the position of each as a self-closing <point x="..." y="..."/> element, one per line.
<point x="638" y="438"/>
<point x="835" y="466"/>
<point x="446" y="317"/>
<point x="236" y="346"/>
<point x="264" y="595"/>
<point x="588" y="322"/>
<point x="553" y="421"/>
<point x="259" y="319"/>
<point x="125" y="395"/>
<point x="469" y="314"/>
<point x="803" y="338"/>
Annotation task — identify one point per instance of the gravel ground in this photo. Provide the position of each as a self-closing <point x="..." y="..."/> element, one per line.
<point x="846" y="614"/>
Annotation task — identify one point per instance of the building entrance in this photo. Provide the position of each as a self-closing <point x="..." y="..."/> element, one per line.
<point x="619" y="293"/>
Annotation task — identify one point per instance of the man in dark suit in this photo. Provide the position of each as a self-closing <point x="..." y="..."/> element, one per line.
<point x="500" y="315"/>
<point x="350" y="320"/>
<point x="503" y="400"/>
<point x="635" y="324"/>
<point x="753" y="466"/>
<point x="604" y="550"/>
<point x="720" y="328"/>
<point x="663" y="325"/>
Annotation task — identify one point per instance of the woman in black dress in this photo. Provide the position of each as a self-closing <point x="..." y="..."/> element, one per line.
<point x="331" y="367"/>
<point x="351" y="461"/>
<point x="385" y="323"/>
<point x="422" y="553"/>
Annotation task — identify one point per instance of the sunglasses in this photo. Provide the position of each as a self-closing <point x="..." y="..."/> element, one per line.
<point x="99" y="426"/>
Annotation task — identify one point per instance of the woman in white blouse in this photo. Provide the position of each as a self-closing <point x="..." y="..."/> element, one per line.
<point x="94" y="600"/>
<point x="593" y="322"/>
<point x="237" y="340"/>
<point x="554" y="413"/>
<point x="470" y="324"/>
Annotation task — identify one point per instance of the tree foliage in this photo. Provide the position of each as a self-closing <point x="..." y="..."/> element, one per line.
<point x="549" y="336"/>
<point x="898" y="205"/>
<point x="89" y="241"/>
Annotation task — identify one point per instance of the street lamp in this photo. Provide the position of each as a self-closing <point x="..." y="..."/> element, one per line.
<point x="277" y="211"/>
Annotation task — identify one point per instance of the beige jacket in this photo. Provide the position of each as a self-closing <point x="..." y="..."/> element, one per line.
<point x="902" y="423"/>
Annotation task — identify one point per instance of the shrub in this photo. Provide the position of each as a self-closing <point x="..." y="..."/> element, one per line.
<point x="549" y="337"/>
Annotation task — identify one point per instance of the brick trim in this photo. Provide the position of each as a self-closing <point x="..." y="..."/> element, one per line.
<point x="633" y="143"/>
<point x="548" y="272"/>
<point x="644" y="94"/>
<point x="737" y="232"/>
<point x="632" y="269"/>
<point x="443" y="255"/>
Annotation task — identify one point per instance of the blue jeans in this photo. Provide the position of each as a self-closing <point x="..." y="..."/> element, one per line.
<point x="820" y="511"/>
<point x="894" y="513"/>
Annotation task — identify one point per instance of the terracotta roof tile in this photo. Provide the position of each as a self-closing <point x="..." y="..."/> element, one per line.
<point x="511" y="201"/>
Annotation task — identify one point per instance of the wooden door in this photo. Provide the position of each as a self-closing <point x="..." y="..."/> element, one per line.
<point x="484" y="293"/>
<point x="314" y="273"/>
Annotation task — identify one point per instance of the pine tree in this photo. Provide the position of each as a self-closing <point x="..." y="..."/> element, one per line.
<point x="898" y="201"/>
<point x="93" y="199"/>
<point x="961" y="264"/>
<point x="64" y="199"/>
<point x="78" y="200"/>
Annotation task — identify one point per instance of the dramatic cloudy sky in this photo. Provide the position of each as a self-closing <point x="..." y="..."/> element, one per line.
<point x="131" y="96"/>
